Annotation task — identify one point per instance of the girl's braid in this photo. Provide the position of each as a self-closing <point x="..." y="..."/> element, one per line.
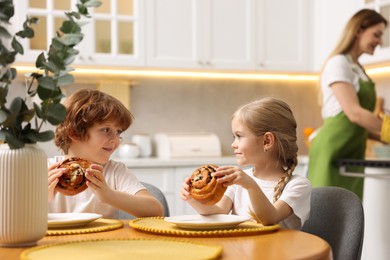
<point x="283" y="181"/>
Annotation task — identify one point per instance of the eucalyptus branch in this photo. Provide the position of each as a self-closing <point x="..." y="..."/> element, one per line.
<point x="15" y="126"/>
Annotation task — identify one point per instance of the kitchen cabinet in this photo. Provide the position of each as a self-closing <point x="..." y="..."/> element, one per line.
<point x="200" y="34"/>
<point x="282" y="35"/>
<point x="382" y="53"/>
<point x="233" y="34"/>
<point x="328" y="20"/>
<point x="169" y="180"/>
<point x="114" y="36"/>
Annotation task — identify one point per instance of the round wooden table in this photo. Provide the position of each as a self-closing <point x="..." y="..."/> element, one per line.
<point x="280" y="244"/>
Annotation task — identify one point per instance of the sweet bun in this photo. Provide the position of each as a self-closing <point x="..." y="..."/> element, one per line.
<point x="73" y="181"/>
<point x="204" y="187"/>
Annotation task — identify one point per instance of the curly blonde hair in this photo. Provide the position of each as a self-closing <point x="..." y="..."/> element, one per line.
<point x="85" y="108"/>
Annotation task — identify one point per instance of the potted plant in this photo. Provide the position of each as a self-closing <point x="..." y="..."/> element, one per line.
<point x="23" y="166"/>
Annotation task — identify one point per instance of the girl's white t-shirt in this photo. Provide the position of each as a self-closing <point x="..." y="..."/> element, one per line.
<point x="338" y="68"/>
<point x="296" y="194"/>
<point x="117" y="176"/>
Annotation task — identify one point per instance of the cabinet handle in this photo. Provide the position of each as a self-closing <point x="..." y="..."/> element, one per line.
<point x="81" y="58"/>
<point x="261" y="64"/>
<point x="90" y="58"/>
<point x="200" y="63"/>
<point x="208" y="63"/>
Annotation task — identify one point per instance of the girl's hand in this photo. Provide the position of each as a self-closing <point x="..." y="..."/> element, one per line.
<point x="97" y="183"/>
<point x="229" y="175"/>
<point x="53" y="178"/>
<point x="185" y="190"/>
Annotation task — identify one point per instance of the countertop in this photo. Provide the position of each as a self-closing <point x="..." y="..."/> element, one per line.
<point x="151" y="162"/>
<point x="154" y="162"/>
<point x="369" y="162"/>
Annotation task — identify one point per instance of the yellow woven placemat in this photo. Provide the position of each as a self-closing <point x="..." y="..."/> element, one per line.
<point x="140" y="249"/>
<point x="98" y="225"/>
<point x="159" y="226"/>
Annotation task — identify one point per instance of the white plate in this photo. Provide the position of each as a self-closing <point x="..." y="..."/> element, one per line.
<point x="199" y="222"/>
<point x="66" y="220"/>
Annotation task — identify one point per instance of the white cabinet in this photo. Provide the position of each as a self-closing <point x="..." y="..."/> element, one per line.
<point x="200" y="34"/>
<point x="169" y="180"/>
<point x="161" y="178"/>
<point x="244" y="35"/>
<point x="382" y="53"/>
<point x="113" y="36"/>
<point x="282" y="31"/>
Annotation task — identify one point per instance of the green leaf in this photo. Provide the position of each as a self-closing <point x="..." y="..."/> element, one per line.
<point x="92" y="3"/>
<point x="56" y="114"/>
<point x="56" y="62"/>
<point x="69" y="60"/>
<point x="65" y="80"/>
<point x="51" y="67"/>
<point x="71" y="39"/>
<point x="34" y="20"/>
<point x="17" y="46"/>
<point x="28" y="114"/>
<point x="47" y="94"/>
<point x="3" y="116"/>
<point x="56" y="44"/>
<point x="40" y="137"/>
<point x="27" y="31"/>
<point x="7" y="11"/>
<point x="70" y="27"/>
<point x="82" y="9"/>
<point x="38" y="110"/>
<point x="13" y="142"/>
<point x="3" y="95"/>
<point x="47" y="83"/>
<point x="2" y="135"/>
<point x="74" y="14"/>
<point x="4" y="33"/>
<point x="40" y="60"/>
<point x="16" y="105"/>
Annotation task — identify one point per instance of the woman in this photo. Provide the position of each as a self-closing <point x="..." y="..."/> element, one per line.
<point x="348" y="99"/>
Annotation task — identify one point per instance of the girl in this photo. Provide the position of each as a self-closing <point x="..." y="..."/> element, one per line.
<point x="265" y="137"/>
<point x="348" y="99"/>
<point x="91" y="130"/>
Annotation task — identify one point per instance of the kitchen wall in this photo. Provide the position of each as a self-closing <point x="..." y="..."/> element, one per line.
<point x="382" y="84"/>
<point x="195" y="105"/>
<point x="185" y="105"/>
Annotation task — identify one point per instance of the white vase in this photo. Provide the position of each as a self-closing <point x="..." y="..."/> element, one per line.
<point x="23" y="195"/>
<point x="145" y="144"/>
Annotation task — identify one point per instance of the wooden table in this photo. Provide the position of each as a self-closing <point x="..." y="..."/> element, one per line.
<point x="281" y="244"/>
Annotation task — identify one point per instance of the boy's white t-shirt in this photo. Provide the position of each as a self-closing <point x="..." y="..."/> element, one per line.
<point x="117" y="176"/>
<point x="296" y="194"/>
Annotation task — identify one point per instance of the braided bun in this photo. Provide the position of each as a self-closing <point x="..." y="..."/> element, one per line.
<point x="204" y="187"/>
<point x="73" y="181"/>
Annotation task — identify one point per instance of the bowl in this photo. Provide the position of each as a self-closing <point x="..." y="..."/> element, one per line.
<point x="128" y="150"/>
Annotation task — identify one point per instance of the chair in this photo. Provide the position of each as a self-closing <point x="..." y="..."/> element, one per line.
<point x="337" y="216"/>
<point x="157" y="193"/>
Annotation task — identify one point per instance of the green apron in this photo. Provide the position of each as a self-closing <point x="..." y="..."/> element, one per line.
<point x="339" y="138"/>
